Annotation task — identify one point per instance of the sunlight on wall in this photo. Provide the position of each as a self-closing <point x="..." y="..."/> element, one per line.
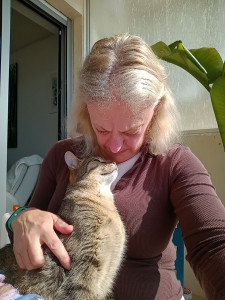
<point x="198" y="23"/>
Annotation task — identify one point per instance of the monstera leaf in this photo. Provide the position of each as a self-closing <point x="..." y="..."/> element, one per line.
<point x="207" y="66"/>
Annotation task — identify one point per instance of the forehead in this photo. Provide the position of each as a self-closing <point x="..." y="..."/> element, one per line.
<point x="117" y="114"/>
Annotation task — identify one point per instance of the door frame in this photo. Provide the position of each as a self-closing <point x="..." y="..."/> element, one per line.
<point x="75" y="12"/>
<point x="4" y="80"/>
<point x="65" y="63"/>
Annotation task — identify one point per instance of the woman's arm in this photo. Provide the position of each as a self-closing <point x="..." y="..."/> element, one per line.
<point x="201" y="217"/>
<point x="36" y="226"/>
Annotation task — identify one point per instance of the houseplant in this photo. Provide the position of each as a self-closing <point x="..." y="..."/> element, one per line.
<point x="207" y="66"/>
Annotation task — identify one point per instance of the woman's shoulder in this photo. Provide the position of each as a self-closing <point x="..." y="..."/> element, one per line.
<point x="178" y="150"/>
<point x="178" y="157"/>
<point x="55" y="155"/>
<point x="74" y="145"/>
<point x="65" y="144"/>
<point x="175" y="152"/>
<point x="181" y="158"/>
<point x="181" y="152"/>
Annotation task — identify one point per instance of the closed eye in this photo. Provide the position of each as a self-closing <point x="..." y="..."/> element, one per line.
<point x="133" y="131"/>
<point x="95" y="163"/>
<point x="104" y="132"/>
<point x="130" y="133"/>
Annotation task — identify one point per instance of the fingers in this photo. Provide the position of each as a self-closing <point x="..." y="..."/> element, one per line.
<point x="34" y="228"/>
<point x="58" y="249"/>
<point x="61" y="225"/>
<point x="30" y="255"/>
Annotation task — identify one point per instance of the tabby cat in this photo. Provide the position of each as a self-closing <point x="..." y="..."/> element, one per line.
<point x="96" y="245"/>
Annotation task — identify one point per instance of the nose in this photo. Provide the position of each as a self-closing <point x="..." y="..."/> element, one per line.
<point x="115" y="143"/>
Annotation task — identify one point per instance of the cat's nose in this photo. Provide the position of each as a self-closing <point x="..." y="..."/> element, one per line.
<point x="114" y="166"/>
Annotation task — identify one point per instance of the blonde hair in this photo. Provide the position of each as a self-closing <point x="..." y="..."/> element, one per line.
<point x="124" y="67"/>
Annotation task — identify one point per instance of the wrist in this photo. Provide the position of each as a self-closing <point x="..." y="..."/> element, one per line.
<point x="13" y="215"/>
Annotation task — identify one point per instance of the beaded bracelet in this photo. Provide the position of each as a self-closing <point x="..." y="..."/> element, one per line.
<point x="15" y="213"/>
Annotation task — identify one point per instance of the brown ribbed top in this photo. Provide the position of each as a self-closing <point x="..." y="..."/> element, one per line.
<point x="151" y="197"/>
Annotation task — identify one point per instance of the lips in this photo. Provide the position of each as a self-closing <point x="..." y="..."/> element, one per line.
<point x="117" y="153"/>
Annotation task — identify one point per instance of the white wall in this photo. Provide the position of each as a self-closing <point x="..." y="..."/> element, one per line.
<point x="37" y="121"/>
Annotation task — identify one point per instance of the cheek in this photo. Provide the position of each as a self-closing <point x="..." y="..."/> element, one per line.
<point x="101" y="139"/>
<point x="135" y="142"/>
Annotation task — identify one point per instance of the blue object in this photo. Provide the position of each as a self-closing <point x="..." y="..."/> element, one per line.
<point x="30" y="297"/>
<point x="179" y="263"/>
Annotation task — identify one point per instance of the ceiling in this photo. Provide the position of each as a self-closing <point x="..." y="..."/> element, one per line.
<point x="27" y="27"/>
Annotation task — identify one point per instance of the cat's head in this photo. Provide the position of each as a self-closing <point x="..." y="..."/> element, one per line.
<point x="99" y="169"/>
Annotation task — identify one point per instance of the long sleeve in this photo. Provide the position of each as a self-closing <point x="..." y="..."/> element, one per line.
<point x="202" y="219"/>
<point x="46" y="183"/>
<point x="53" y="178"/>
<point x="52" y="181"/>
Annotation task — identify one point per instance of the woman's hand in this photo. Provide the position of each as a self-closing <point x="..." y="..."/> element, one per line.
<point x="31" y="229"/>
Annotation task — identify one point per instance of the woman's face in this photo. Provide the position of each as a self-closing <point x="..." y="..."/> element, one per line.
<point x="120" y="132"/>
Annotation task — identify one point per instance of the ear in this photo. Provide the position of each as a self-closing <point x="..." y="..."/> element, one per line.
<point x="71" y="160"/>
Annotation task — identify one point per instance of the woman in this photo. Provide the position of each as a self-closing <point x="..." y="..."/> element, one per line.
<point x="125" y="112"/>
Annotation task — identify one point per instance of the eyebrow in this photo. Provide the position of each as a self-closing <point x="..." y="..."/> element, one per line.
<point x="100" y="127"/>
<point x="135" y="128"/>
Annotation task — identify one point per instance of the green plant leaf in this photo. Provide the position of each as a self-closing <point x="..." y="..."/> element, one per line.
<point x="206" y="66"/>
<point x="217" y="94"/>
<point x="210" y="59"/>
<point x="181" y="58"/>
<point x="162" y="50"/>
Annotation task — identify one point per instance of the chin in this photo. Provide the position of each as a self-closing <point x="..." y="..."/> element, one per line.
<point x="119" y="158"/>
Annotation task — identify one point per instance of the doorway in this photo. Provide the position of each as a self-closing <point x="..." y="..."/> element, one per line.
<point x="37" y="81"/>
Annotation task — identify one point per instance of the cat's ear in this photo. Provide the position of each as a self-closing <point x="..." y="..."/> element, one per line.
<point x="71" y="160"/>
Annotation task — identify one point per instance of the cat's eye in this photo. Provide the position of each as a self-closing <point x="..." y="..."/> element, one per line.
<point x="93" y="164"/>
